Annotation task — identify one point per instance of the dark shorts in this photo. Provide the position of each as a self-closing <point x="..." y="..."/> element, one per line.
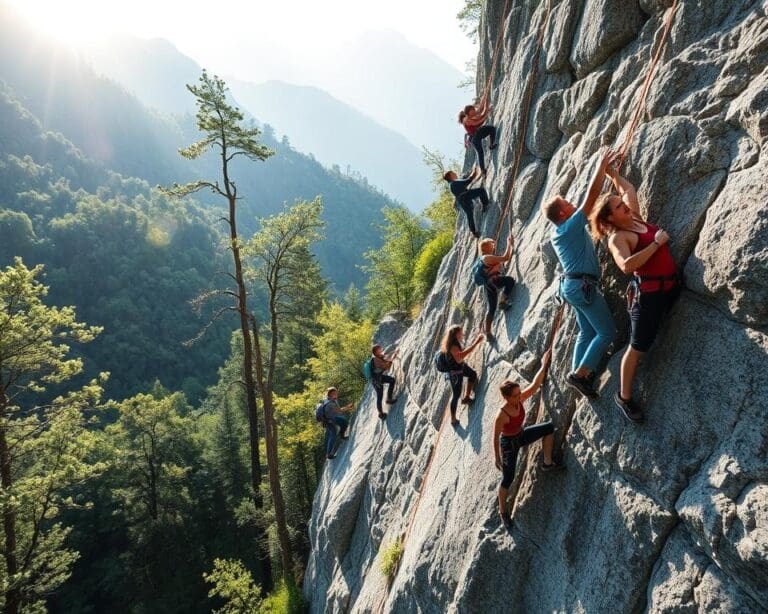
<point x="510" y="446"/>
<point x="645" y="316"/>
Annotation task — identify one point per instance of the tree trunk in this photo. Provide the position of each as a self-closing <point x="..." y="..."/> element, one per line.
<point x="262" y="545"/>
<point x="12" y="596"/>
<point x="270" y="438"/>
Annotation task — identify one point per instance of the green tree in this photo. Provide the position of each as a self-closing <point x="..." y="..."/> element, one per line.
<point x="42" y="448"/>
<point x="340" y="351"/>
<point x="221" y="125"/>
<point x="284" y="266"/>
<point x="469" y="17"/>
<point x="391" y="267"/>
<point x="233" y="583"/>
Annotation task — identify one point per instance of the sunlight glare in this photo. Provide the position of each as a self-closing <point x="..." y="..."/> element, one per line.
<point x="72" y="21"/>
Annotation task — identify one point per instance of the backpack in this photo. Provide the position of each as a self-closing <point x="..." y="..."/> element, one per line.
<point x="320" y="411"/>
<point x="368" y="369"/>
<point x="480" y="273"/>
<point x="442" y="362"/>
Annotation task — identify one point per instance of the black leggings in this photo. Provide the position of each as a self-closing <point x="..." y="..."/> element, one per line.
<point x="378" y="382"/>
<point x="503" y="282"/>
<point x="510" y="446"/>
<point x="477" y="141"/>
<point x="466" y="201"/>
<point x="457" y="378"/>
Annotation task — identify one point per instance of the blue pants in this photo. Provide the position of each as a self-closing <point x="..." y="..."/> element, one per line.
<point x="331" y="433"/>
<point x="596" y="328"/>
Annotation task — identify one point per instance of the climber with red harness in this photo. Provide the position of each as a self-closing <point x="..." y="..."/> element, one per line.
<point x="642" y="249"/>
<point x="487" y="273"/>
<point x="473" y="119"/>
<point x="580" y="282"/>
<point x="509" y="434"/>
<point x="465" y="196"/>
<point x="375" y="369"/>
<point x="450" y="360"/>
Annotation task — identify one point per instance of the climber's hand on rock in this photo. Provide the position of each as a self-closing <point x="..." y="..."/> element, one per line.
<point x="661" y="237"/>
<point x="547" y="357"/>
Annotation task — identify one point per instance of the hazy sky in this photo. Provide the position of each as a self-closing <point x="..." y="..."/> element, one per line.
<point x="208" y="30"/>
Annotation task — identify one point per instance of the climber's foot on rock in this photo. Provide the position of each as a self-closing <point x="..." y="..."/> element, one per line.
<point x="553" y="466"/>
<point x="382" y="415"/>
<point x="330" y="456"/>
<point x="506" y="520"/>
<point x="629" y="408"/>
<point x="468" y="400"/>
<point x="583" y="385"/>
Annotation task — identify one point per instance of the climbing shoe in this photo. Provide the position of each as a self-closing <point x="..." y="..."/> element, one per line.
<point x="631" y="411"/>
<point x="553" y="466"/>
<point x="330" y="456"/>
<point x="490" y="338"/>
<point x="493" y="146"/>
<point x="583" y="385"/>
<point x="382" y="415"/>
<point x="504" y="305"/>
<point x="391" y="401"/>
<point x="506" y="519"/>
<point x="468" y="400"/>
<point x="454" y="421"/>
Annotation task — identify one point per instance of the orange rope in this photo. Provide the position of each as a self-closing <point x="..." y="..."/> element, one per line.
<point x="499" y="39"/>
<point x="647" y="83"/>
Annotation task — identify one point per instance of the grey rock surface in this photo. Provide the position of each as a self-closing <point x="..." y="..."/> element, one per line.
<point x="670" y="516"/>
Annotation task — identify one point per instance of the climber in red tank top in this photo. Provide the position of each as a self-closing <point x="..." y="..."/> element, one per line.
<point x="640" y="248"/>
<point x="509" y="434"/>
<point x="473" y="119"/>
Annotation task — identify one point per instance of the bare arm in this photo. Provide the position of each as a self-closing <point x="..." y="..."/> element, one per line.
<point x="527" y="392"/>
<point x="624" y="188"/>
<point x="492" y="259"/>
<point x="621" y="250"/>
<point x="497" y="426"/>
<point x="460" y="355"/>
<point x="596" y="185"/>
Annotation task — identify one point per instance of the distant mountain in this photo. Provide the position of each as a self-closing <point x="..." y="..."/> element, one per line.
<point x="154" y="70"/>
<point x="335" y="133"/>
<point x="405" y="87"/>
<point x="315" y="122"/>
<point x="111" y="126"/>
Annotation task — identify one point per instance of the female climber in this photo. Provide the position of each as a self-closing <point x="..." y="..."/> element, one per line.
<point x="452" y="349"/>
<point x="473" y="119"/>
<point x="642" y="249"/>
<point x="382" y="363"/>
<point x="489" y="267"/>
<point x="509" y="435"/>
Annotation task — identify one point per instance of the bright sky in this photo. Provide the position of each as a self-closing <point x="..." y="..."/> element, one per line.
<point x="204" y="29"/>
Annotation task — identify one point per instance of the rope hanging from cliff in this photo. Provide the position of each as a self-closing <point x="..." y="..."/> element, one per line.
<point x="638" y="112"/>
<point x="496" y="47"/>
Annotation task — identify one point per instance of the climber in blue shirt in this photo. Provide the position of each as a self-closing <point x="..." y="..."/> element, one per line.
<point x="580" y="281"/>
<point x="465" y="196"/>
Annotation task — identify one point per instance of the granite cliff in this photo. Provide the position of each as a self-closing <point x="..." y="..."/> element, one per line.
<point x="671" y="515"/>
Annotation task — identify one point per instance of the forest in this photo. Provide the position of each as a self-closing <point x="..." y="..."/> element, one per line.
<point x="158" y="445"/>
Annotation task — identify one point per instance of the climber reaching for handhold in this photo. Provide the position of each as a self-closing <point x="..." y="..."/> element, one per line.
<point x="580" y="282"/>
<point x="379" y="364"/>
<point x="450" y="360"/>
<point x="642" y="249"/>
<point x="487" y="273"/>
<point x="473" y="119"/>
<point x="327" y="412"/>
<point x="465" y="196"/>
<point x="509" y="435"/>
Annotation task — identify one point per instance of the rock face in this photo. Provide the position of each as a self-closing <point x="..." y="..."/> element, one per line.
<point x="668" y="516"/>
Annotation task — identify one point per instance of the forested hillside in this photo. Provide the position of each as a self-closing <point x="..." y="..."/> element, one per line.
<point x="111" y="126"/>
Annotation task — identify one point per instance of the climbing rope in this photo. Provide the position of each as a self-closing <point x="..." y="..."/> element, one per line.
<point x="640" y="106"/>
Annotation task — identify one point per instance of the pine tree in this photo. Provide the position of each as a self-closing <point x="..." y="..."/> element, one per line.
<point x="221" y="125"/>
